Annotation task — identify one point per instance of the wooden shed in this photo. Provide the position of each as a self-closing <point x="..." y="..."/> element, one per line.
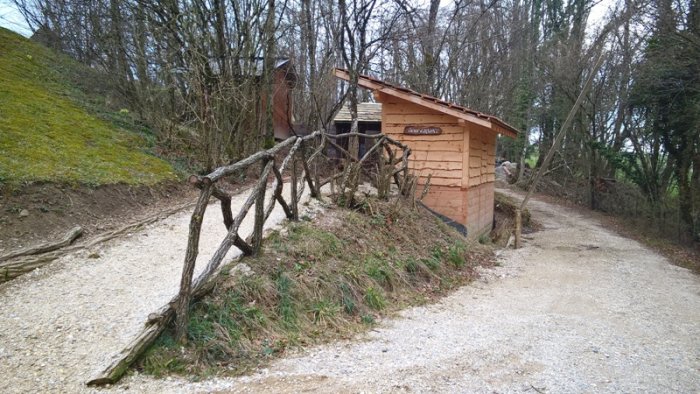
<point x="455" y="144"/>
<point x="284" y="78"/>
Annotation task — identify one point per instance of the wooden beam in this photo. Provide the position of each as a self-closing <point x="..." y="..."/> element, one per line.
<point x="437" y="107"/>
<point x="368" y="84"/>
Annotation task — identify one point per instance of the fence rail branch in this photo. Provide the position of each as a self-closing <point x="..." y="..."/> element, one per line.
<point x="304" y="152"/>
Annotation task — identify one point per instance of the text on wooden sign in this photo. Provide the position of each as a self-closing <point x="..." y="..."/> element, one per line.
<point x="422" y="130"/>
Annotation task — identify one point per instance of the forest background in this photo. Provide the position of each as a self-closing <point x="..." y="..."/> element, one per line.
<point x="184" y="67"/>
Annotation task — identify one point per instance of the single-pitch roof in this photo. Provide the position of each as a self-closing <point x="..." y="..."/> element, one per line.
<point x="366" y="112"/>
<point x="469" y="115"/>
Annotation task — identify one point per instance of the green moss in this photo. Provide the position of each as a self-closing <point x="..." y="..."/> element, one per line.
<point x="46" y="134"/>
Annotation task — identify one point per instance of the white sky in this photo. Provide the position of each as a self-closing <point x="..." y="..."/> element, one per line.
<point x="599" y="10"/>
<point x="11" y="19"/>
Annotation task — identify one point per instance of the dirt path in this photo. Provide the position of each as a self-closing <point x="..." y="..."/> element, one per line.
<point x="62" y="323"/>
<point x="578" y="309"/>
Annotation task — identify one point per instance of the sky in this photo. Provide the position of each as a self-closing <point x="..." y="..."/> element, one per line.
<point x="10" y="17"/>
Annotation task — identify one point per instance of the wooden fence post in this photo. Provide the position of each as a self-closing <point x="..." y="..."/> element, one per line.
<point x="518" y="226"/>
<point x="183" y="301"/>
<point x="260" y="210"/>
<point x="294" y="197"/>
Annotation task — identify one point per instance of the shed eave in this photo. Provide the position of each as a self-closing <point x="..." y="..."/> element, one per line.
<point x="491" y="122"/>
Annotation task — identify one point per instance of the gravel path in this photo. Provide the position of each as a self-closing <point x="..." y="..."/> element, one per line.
<point x="578" y="309"/>
<point x="61" y="324"/>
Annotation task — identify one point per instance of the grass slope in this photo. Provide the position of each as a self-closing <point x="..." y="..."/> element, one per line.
<point x="318" y="280"/>
<point x="47" y="132"/>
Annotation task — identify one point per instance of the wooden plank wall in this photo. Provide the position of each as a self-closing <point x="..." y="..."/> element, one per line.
<point x="482" y="155"/>
<point x="440" y="154"/>
<point x="482" y="152"/>
<point x="449" y="201"/>
<point x="479" y="201"/>
<point x="461" y="160"/>
<point x="281" y="106"/>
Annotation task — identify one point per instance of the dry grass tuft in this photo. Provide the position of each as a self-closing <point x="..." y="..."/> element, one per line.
<point x="317" y="281"/>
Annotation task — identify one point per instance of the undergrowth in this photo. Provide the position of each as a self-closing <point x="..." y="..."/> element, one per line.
<point x="50" y="130"/>
<point x="316" y="281"/>
<point x="504" y="226"/>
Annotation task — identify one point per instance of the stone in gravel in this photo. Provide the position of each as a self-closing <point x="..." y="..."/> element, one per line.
<point x="242" y="270"/>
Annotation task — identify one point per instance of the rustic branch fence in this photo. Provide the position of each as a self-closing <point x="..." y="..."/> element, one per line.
<point x="384" y="163"/>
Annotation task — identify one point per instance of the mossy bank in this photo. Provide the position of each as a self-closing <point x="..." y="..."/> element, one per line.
<point x="52" y="129"/>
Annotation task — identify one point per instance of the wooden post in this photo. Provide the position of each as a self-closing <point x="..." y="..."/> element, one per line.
<point x="307" y="175"/>
<point x="518" y="226"/>
<point x="225" y="200"/>
<point x="294" y="197"/>
<point x="260" y="210"/>
<point x="183" y="302"/>
<point x="277" y="197"/>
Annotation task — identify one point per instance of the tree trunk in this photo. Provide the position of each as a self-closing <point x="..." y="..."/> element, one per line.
<point x="685" y="201"/>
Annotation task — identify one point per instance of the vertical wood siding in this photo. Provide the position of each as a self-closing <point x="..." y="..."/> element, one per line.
<point x="461" y="160"/>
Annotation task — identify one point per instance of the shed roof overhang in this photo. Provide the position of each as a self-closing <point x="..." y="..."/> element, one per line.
<point x="468" y="115"/>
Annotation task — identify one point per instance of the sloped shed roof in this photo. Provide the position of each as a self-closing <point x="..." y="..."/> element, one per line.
<point x="469" y="115"/>
<point x="366" y="112"/>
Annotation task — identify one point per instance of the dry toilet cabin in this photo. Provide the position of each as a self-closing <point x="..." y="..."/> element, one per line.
<point x="455" y="144"/>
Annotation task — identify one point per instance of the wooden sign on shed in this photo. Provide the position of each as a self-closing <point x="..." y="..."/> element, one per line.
<point x="422" y="130"/>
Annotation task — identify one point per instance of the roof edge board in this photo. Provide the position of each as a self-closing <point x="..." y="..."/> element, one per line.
<point x="491" y="122"/>
<point x="418" y="100"/>
<point x="447" y="111"/>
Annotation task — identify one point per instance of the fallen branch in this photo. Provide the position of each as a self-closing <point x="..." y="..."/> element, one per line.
<point x="22" y="265"/>
<point x="559" y="137"/>
<point x="64" y="241"/>
<point x="27" y="260"/>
